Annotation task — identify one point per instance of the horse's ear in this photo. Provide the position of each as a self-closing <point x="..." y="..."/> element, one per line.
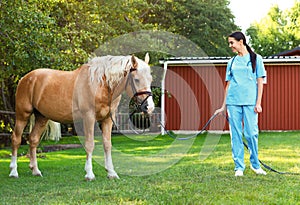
<point x="134" y="62"/>
<point x="147" y="58"/>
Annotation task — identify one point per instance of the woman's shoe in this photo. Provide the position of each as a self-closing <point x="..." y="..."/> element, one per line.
<point x="239" y="173"/>
<point x="259" y="171"/>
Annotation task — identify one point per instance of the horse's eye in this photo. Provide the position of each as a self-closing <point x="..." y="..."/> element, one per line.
<point x="137" y="81"/>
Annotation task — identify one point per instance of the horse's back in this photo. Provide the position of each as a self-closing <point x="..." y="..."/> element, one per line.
<point x="36" y="81"/>
<point x="45" y="90"/>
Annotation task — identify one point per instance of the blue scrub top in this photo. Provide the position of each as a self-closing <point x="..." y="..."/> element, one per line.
<point x="242" y="88"/>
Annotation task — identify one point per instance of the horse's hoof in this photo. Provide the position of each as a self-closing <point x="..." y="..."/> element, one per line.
<point x="38" y="175"/>
<point x="113" y="176"/>
<point x="90" y="177"/>
<point x="14" y="174"/>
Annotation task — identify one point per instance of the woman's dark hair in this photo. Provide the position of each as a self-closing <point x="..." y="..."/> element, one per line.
<point x="240" y="36"/>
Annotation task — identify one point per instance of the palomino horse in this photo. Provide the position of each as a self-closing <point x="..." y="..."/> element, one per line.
<point x="90" y="93"/>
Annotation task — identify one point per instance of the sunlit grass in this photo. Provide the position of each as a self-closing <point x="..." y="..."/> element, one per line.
<point x="191" y="180"/>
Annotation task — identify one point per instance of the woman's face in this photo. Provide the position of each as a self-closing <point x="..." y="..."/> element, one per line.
<point x="236" y="46"/>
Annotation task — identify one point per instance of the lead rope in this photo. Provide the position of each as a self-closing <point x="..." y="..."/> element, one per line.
<point x="204" y="128"/>
<point x="265" y="165"/>
<point x="192" y="136"/>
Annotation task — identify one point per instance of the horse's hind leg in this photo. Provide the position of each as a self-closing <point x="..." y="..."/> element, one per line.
<point x="34" y="139"/>
<point x="16" y="141"/>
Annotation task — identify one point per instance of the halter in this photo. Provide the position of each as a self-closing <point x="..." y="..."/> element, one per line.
<point x="139" y="105"/>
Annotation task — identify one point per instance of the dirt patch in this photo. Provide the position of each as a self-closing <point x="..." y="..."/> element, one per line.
<point x="59" y="147"/>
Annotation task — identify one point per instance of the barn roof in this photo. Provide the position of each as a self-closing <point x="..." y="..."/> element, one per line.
<point x="293" y="52"/>
<point x="224" y="60"/>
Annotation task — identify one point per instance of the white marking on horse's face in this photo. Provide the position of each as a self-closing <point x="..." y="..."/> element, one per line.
<point x="151" y="105"/>
<point x="143" y="80"/>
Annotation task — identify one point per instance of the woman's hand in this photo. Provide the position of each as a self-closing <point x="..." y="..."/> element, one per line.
<point x="258" y="109"/>
<point x="218" y="111"/>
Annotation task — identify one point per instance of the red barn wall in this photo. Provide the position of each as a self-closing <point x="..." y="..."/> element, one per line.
<point x="197" y="91"/>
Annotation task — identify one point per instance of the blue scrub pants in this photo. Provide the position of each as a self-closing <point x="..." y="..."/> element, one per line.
<point x="243" y="119"/>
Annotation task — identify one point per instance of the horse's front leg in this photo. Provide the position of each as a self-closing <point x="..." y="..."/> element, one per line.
<point x="89" y="123"/>
<point x="106" y="135"/>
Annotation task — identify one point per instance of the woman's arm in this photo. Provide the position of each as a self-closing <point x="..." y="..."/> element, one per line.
<point x="260" y="87"/>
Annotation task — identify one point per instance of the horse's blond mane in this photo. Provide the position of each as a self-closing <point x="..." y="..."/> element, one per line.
<point x="112" y="67"/>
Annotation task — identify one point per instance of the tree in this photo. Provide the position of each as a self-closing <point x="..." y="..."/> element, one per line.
<point x="54" y="34"/>
<point x="62" y="34"/>
<point x="207" y="22"/>
<point x="277" y="32"/>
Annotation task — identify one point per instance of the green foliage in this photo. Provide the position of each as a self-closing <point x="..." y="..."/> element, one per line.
<point x="277" y="32"/>
<point x="190" y="181"/>
<point x="27" y="38"/>
<point x="62" y="34"/>
<point x="206" y="23"/>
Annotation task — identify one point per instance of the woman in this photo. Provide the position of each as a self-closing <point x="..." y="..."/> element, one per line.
<point x="243" y="94"/>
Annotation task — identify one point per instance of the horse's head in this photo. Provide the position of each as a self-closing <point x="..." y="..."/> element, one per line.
<point x="139" y="84"/>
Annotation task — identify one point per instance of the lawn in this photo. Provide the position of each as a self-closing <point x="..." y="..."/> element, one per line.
<point x="158" y="170"/>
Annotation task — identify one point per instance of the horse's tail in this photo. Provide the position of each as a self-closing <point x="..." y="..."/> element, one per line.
<point x="51" y="132"/>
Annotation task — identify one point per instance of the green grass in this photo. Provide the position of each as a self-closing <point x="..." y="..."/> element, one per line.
<point x="188" y="181"/>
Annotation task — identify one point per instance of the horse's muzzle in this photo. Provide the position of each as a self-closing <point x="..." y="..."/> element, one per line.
<point x="149" y="107"/>
<point x="143" y="105"/>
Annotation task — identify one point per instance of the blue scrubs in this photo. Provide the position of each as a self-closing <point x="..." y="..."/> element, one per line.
<point x="240" y="101"/>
